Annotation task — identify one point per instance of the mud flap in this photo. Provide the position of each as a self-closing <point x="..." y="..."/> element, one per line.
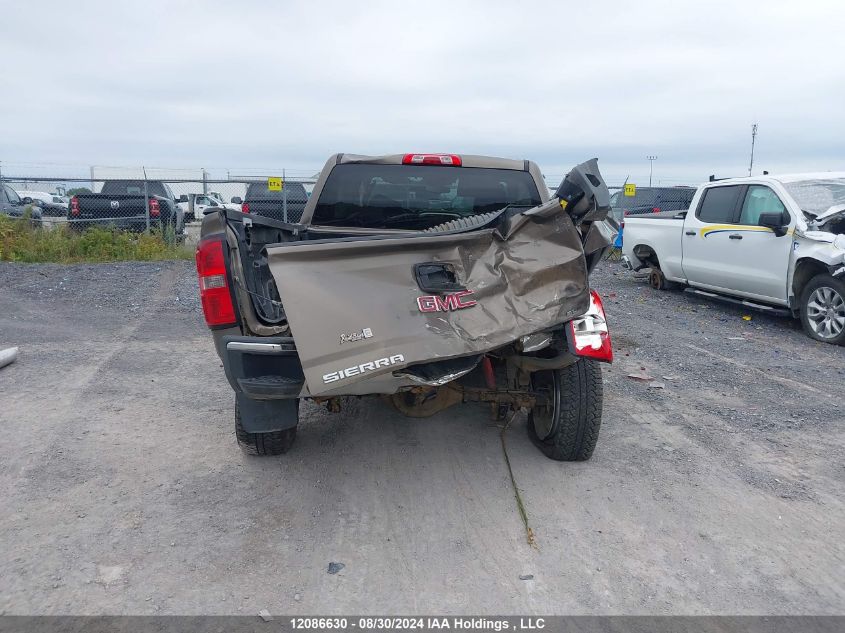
<point x="261" y="416"/>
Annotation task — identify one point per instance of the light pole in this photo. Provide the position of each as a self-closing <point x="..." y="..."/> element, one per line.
<point x="651" y="160"/>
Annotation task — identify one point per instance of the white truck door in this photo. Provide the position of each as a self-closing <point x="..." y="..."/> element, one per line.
<point x="705" y="242"/>
<point x="759" y="256"/>
<point x="201" y="203"/>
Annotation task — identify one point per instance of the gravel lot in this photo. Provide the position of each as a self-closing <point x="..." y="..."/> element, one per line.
<point x="124" y="491"/>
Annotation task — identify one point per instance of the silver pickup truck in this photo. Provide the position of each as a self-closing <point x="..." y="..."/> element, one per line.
<point x="773" y="242"/>
<point x="428" y="279"/>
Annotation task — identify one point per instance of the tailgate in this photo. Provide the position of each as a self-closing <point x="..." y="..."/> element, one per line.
<point x="360" y="307"/>
<point x="111" y="206"/>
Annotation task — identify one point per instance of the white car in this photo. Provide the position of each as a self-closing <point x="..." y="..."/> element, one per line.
<point x="767" y="241"/>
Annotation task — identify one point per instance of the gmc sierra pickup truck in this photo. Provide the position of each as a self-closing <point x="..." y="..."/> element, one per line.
<point x="428" y="279"/>
<point x="772" y="242"/>
<point x="127" y="204"/>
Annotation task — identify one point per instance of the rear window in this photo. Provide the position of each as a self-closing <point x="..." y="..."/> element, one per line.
<point x="719" y="204"/>
<point x="294" y="191"/>
<point x="417" y="197"/>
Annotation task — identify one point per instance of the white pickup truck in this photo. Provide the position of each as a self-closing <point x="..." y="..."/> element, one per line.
<point x="771" y="242"/>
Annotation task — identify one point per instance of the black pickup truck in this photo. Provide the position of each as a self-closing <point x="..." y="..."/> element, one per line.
<point x="286" y="205"/>
<point x="126" y="204"/>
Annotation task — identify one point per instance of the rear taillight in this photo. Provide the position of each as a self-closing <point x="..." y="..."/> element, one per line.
<point x="448" y="160"/>
<point x="245" y="207"/>
<point x="217" y="305"/>
<point x="588" y="334"/>
<point x="656" y="210"/>
<point x="74" y="206"/>
<point x="155" y="208"/>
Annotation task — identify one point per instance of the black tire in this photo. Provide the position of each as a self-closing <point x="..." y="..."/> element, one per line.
<point x="657" y="280"/>
<point x="823" y="302"/>
<point x="568" y="430"/>
<point x="271" y="443"/>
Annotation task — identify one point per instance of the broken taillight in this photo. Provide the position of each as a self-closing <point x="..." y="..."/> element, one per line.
<point x="74" y="206"/>
<point x="588" y="334"/>
<point x="217" y="304"/>
<point x="155" y="208"/>
<point x="447" y="160"/>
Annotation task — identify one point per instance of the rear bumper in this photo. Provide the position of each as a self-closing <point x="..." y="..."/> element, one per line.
<point x="262" y="368"/>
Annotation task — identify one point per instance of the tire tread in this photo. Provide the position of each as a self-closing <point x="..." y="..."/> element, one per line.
<point x="577" y="433"/>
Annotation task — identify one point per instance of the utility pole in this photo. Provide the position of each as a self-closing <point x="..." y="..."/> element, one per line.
<point x="753" y="138"/>
<point x="651" y="160"/>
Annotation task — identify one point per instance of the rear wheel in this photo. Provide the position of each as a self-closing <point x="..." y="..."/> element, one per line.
<point x="823" y="309"/>
<point x="566" y="427"/>
<point x="270" y="443"/>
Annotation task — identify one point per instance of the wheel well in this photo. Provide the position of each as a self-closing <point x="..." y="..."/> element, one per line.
<point x="647" y="255"/>
<point x="805" y="270"/>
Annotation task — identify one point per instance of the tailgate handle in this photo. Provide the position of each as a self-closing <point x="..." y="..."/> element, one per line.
<point x="437" y="277"/>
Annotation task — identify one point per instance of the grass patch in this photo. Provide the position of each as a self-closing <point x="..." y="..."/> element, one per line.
<point x="22" y="242"/>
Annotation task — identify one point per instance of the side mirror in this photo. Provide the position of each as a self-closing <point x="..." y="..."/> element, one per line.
<point x="183" y="197"/>
<point x="237" y="200"/>
<point x="775" y="221"/>
<point x="27" y="200"/>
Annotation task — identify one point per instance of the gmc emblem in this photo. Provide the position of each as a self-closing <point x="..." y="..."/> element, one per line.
<point x="446" y="303"/>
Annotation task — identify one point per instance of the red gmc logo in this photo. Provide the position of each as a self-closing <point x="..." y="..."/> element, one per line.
<point x="446" y="303"/>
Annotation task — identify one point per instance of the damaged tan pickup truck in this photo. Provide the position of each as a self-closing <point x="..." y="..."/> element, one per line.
<point x="427" y="279"/>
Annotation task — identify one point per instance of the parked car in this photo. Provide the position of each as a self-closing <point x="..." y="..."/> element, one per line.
<point x="11" y="205"/>
<point x="651" y="200"/>
<point x="124" y="205"/>
<point x="430" y="279"/>
<point x="767" y="241"/>
<point x="50" y="203"/>
<point x="286" y="205"/>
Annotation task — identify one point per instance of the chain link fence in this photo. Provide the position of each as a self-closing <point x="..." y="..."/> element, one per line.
<point x="147" y="203"/>
<point x="175" y="200"/>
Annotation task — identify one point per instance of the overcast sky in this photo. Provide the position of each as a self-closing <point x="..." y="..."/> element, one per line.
<point x="285" y="84"/>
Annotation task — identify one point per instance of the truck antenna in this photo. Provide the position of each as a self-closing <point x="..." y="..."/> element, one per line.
<point x="753" y="138"/>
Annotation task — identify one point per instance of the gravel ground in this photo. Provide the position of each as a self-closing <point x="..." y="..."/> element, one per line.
<point x="124" y="492"/>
